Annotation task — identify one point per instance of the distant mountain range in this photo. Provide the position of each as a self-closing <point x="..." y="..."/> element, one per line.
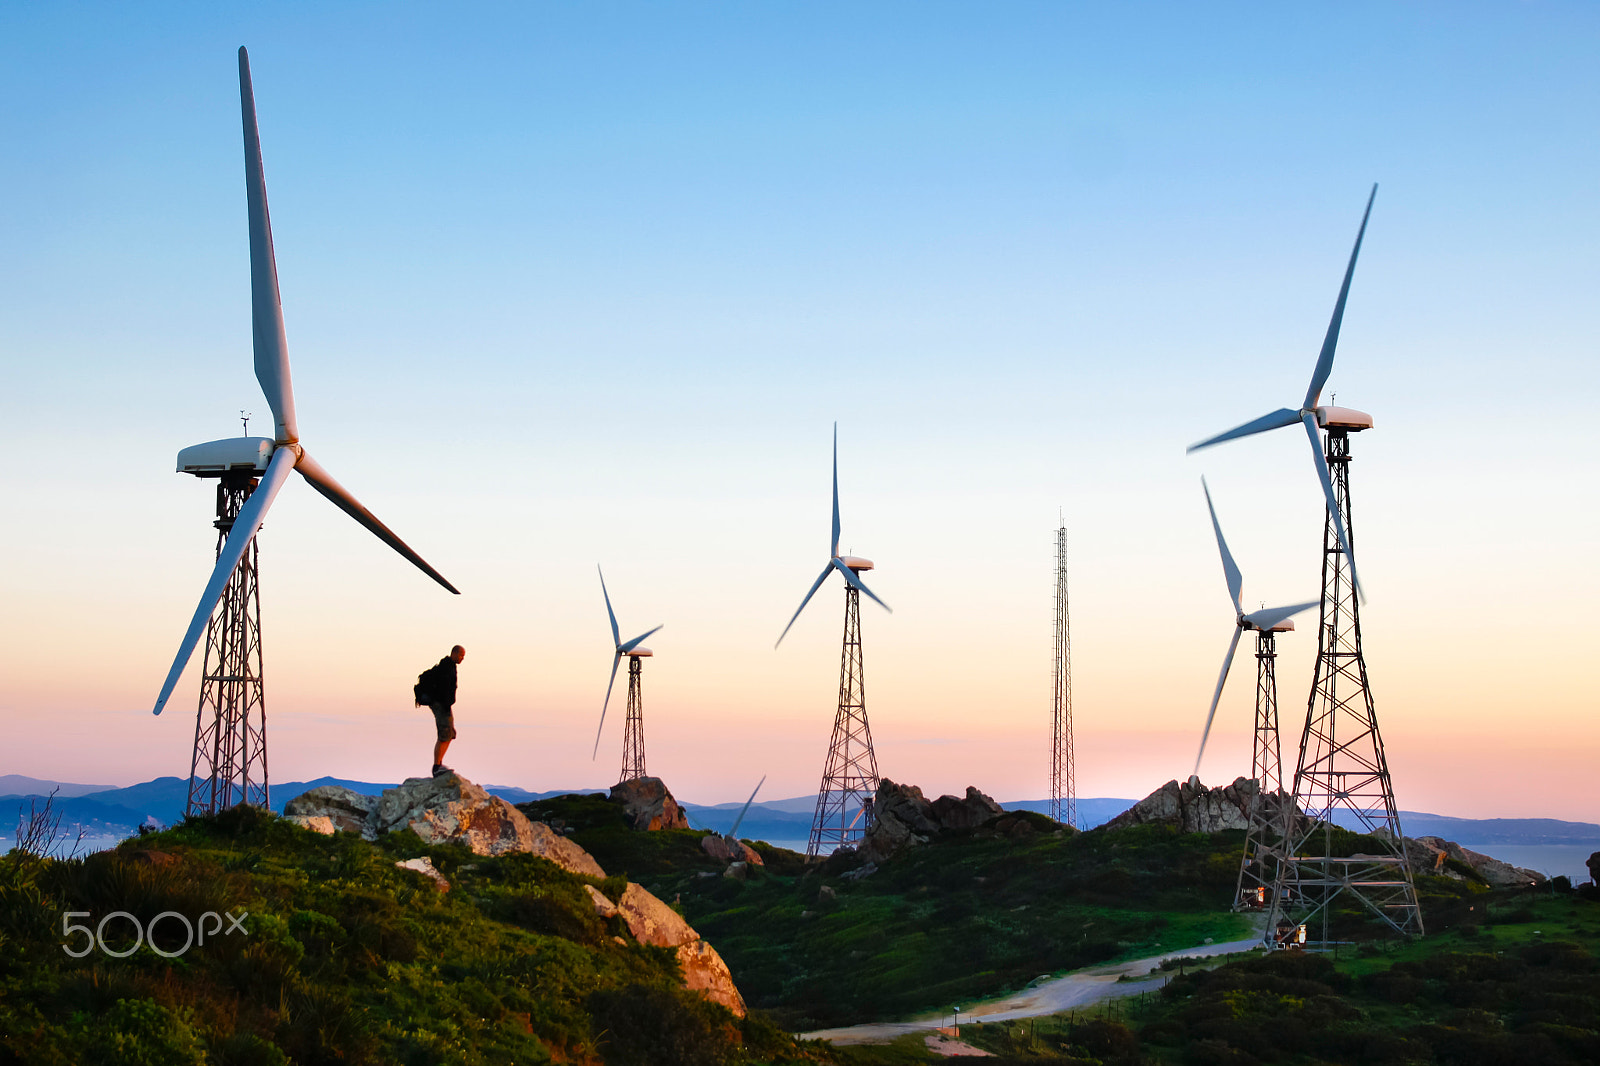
<point x="102" y="811"/>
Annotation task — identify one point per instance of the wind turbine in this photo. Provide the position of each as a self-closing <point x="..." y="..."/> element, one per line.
<point x="1314" y="417"/>
<point x="1342" y="767"/>
<point x="733" y="834"/>
<point x="850" y="774"/>
<point x="633" y="735"/>
<point x="230" y="749"/>
<point x="1268" y="813"/>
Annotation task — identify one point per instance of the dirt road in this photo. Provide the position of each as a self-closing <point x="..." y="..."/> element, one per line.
<point x="1075" y="990"/>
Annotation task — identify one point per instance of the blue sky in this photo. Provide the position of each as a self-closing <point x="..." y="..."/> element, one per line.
<point x="578" y="284"/>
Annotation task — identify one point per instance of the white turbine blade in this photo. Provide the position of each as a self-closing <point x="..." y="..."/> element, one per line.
<point x="734" y="832"/>
<point x="1310" y="421"/>
<point x="615" y="662"/>
<point x="1230" y="569"/>
<point x="1276" y="420"/>
<point x="1268" y="617"/>
<point x="634" y="643"/>
<point x="834" y="549"/>
<point x="616" y="637"/>
<point x="323" y="482"/>
<point x="1319" y="376"/>
<point x="266" y="308"/>
<point x="814" y="587"/>
<point x="244" y="528"/>
<point x="1222" y="679"/>
<point x="851" y="576"/>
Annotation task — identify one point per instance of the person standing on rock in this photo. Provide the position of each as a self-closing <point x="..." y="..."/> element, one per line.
<point x="436" y="690"/>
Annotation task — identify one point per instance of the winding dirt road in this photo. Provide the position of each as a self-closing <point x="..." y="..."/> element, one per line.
<point x="1078" y="989"/>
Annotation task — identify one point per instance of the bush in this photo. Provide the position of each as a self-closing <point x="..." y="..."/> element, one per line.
<point x="646" y="1025"/>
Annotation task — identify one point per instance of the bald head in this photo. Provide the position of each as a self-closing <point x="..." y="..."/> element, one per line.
<point x="458" y="653"/>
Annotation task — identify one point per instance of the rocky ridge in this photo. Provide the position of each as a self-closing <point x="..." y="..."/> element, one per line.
<point x="903" y="817"/>
<point x="451" y="809"/>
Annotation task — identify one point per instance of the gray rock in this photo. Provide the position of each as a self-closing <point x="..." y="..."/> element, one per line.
<point x="424" y="866"/>
<point x="602" y="906"/>
<point x="648" y="804"/>
<point x="1428" y="855"/>
<point x="727" y="849"/>
<point x="737" y="870"/>
<point x="330" y="808"/>
<point x="1193" y="808"/>
<point x="653" y="922"/>
<point x="902" y="817"/>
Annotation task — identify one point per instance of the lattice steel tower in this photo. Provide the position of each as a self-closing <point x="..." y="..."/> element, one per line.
<point x="850" y="775"/>
<point x="633" y="732"/>
<point x="1063" y="784"/>
<point x="1264" y="838"/>
<point x="1342" y="767"/>
<point x="229" y="765"/>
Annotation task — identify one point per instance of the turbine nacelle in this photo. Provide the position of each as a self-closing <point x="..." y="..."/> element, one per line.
<point x="856" y="563"/>
<point x="1284" y="626"/>
<point x="217" y="457"/>
<point x="1346" y="418"/>
<point x="639" y="653"/>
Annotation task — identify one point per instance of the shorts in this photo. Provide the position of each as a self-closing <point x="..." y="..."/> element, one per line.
<point x="445" y="720"/>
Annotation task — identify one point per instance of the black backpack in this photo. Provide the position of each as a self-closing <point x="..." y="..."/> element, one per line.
<point x="424" y="689"/>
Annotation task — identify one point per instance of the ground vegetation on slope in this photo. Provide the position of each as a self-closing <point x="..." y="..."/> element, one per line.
<point x="343" y="958"/>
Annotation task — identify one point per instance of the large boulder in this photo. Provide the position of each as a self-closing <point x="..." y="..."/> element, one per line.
<point x="1194" y="808"/>
<point x="903" y="817"/>
<point x="331" y="808"/>
<point x="653" y="922"/>
<point x="648" y="804"/>
<point x="726" y="849"/>
<point x="447" y="809"/>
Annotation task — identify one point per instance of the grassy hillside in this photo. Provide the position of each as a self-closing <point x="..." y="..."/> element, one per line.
<point x="977" y="915"/>
<point x="347" y="960"/>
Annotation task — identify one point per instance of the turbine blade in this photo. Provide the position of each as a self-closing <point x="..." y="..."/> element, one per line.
<point x="1268" y="617"/>
<point x="1230" y="569"/>
<point x="850" y="576"/>
<point x="634" y="643"/>
<point x="616" y="637"/>
<point x="734" y="832"/>
<point x="266" y="308"/>
<point x="1319" y="376"/>
<point x="1276" y="420"/>
<point x="834" y="549"/>
<point x="1310" y="421"/>
<point x="323" y="482"/>
<point x="814" y="587"/>
<point x="244" y="528"/>
<point x="615" y="662"/>
<point x="1222" y="679"/>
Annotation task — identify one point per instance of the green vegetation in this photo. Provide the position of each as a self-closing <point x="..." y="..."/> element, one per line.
<point x="969" y="917"/>
<point x="347" y="960"/>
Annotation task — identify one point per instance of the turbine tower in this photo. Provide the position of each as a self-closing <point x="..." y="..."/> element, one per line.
<point x="1342" y="768"/>
<point x="229" y="763"/>
<point x="1269" y="812"/>
<point x="1063" y="777"/>
<point x="850" y="774"/>
<point x="633" y="733"/>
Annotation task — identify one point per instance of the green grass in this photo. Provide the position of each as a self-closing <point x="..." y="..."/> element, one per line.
<point x="347" y="960"/>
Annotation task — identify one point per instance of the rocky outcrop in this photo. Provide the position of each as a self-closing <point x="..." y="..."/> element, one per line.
<point x="1194" y="808"/>
<point x="903" y="817"/>
<point x="653" y="922"/>
<point x="1431" y="855"/>
<point x="331" y="808"/>
<point x="727" y="849"/>
<point x="648" y="804"/>
<point x="445" y="809"/>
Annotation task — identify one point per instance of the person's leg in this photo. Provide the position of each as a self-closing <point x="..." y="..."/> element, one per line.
<point x="445" y="727"/>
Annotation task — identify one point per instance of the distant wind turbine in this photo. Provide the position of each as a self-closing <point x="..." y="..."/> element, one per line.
<point x="633" y="733"/>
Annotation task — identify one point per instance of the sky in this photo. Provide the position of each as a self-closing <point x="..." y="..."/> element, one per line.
<point x="568" y="285"/>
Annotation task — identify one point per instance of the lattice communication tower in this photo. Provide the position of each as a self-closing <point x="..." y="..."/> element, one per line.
<point x="1063" y="785"/>
<point x="1269" y="807"/>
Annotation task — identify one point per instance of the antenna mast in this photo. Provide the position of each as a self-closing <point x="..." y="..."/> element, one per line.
<point x="1063" y="784"/>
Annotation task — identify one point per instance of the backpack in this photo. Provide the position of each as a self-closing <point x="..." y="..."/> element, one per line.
<point x="423" y="690"/>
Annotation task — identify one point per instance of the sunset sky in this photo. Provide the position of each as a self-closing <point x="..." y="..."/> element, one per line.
<point x="579" y="284"/>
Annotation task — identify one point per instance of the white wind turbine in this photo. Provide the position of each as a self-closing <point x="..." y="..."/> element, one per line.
<point x="634" y="651"/>
<point x="272" y="459"/>
<point x="1312" y="416"/>
<point x="1264" y="623"/>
